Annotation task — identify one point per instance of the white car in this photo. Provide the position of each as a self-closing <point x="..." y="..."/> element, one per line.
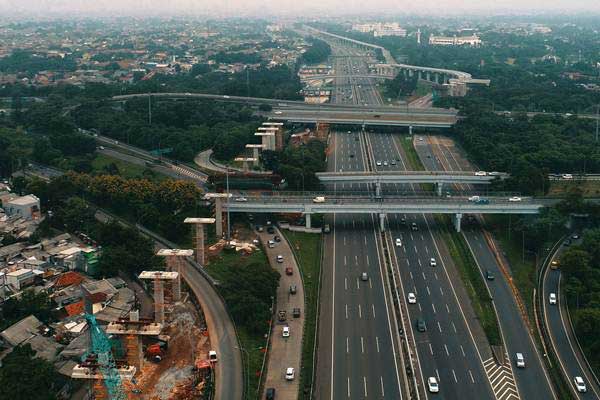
<point x="378" y="163"/>
<point x="420" y="139"/>
<point x="398" y="242"/>
<point x="520" y="360"/>
<point x="567" y="176"/>
<point x="412" y="299"/>
<point x="432" y="384"/>
<point x="432" y="262"/>
<point x="385" y="163"/>
<point x="552" y="298"/>
<point x="286" y="331"/>
<point x="474" y="198"/>
<point x="241" y="199"/>
<point x="364" y="276"/>
<point x="514" y="199"/>
<point x="319" y="199"/>
<point x="480" y="173"/>
<point x="580" y="384"/>
<point x="289" y="374"/>
<point x="280" y="258"/>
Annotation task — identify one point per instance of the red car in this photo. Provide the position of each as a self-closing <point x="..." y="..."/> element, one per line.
<point x="289" y="271"/>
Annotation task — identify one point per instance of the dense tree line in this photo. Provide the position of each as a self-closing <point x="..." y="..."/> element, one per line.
<point x="23" y="376"/>
<point x="400" y="86"/>
<point x="528" y="148"/>
<point x="317" y="53"/>
<point x="28" y="63"/>
<point x="248" y="288"/>
<point x="298" y="165"/>
<point x="15" y="309"/>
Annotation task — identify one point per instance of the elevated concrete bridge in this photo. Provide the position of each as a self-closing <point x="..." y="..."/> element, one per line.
<point x="438" y="178"/>
<point x="368" y="204"/>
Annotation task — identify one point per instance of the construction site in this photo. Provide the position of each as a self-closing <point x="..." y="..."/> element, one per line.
<point x="166" y="356"/>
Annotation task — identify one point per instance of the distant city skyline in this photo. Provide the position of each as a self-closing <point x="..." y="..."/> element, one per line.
<point x="231" y="8"/>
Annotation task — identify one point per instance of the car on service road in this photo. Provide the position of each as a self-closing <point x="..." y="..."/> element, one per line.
<point x="580" y="384"/>
<point x="552" y="298"/>
<point x="290" y="374"/>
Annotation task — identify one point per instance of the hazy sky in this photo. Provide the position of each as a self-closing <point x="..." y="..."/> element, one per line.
<point x="288" y="7"/>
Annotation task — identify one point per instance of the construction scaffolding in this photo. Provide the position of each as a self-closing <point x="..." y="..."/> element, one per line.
<point x="131" y="330"/>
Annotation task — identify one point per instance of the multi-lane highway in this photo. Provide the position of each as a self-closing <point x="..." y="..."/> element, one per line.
<point x="562" y="337"/>
<point x="450" y="349"/>
<point x="358" y="337"/>
<point x="532" y="382"/>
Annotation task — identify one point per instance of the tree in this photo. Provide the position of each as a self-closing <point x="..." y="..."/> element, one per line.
<point x="26" y="377"/>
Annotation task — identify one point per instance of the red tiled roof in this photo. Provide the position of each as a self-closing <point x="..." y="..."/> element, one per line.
<point x="68" y="279"/>
<point x="74" y="308"/>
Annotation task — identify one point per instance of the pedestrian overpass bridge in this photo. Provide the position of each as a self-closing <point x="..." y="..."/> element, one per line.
<point x="325" y="203"/>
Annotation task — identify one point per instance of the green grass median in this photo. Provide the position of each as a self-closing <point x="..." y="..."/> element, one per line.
<point x="473" y="281"/>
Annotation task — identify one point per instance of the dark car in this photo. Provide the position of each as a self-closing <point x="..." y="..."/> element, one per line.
<point x="270" y="394"/>
<point x="281" y="315"/>
<point x="414" y="226"/>
<point x="421" y="327"/>
<point x="296" y="313"/>
<point x="271" y="230"/>
<point x="277" y="238"/>
<point x="489" y="275"/>
<point x="293" y="289"/>
<point x="567" y="243"/>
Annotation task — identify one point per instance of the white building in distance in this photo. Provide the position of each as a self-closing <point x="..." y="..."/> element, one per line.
<point x="472" y="40"/>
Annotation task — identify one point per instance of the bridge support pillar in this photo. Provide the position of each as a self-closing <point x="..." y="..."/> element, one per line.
<point x="420" y="75"/>
<point x="411" y="73"/>
<point x="378" y="189"/>
<point x="382" y="222"/>
<point x="410" y="130"/>
<point x="219" y="217"/>
<point x="436" y="77"/>
<point x="457" y="219"/>
<point x="439" y="186"/>
<point x="428" y="76"/>
<point x="308" y="222"/>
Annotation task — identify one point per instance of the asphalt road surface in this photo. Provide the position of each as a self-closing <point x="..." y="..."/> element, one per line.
<point x="447" y="350"/>
<point x="532" y="381"/>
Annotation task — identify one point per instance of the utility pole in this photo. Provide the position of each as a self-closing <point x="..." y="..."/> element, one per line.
<point x="149" y="109"/>
<point x="228" y="214"/>
<point x="597" y="115"/>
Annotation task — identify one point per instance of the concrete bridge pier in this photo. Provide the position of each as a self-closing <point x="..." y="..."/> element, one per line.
<point x="457" y="218"/>
<point x="439" y="186"/>
<point x="410" y="132"/>
<point x="420" y="74"/>
<point x="378" y="189"/>
<point x="428" y="76"/>
<point x="382" y="222"/>
<point x="219" y="217"/>
<point x="308" y="222"/>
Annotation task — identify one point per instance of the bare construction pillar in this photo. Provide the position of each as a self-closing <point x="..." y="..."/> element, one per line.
<point x="410" y="129"/>
<point x="457" y="219"/>
<point x="159" y="301"/>
<point x="439" y="186"/>
<point x="199" y="236"/>
<point x="428" y="75"/>
<point x="308" y="222"/>
<point x="378" y="189"/>
<point x="219" y="217"/>
<point x="174" y="260"/>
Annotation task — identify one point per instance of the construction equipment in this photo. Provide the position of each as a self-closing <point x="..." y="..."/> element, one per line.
<point x="101" y="347"/>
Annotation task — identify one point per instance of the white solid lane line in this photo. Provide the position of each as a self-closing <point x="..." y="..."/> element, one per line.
<point x="446" y="348"/>
<point x="365" y="385"/>
<point x="382" y="390"/>
<point x="362" y="345"/>
<point x="346" y="311"/>
<point x="377" y="343"/>
<point x="347" y="345"/>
